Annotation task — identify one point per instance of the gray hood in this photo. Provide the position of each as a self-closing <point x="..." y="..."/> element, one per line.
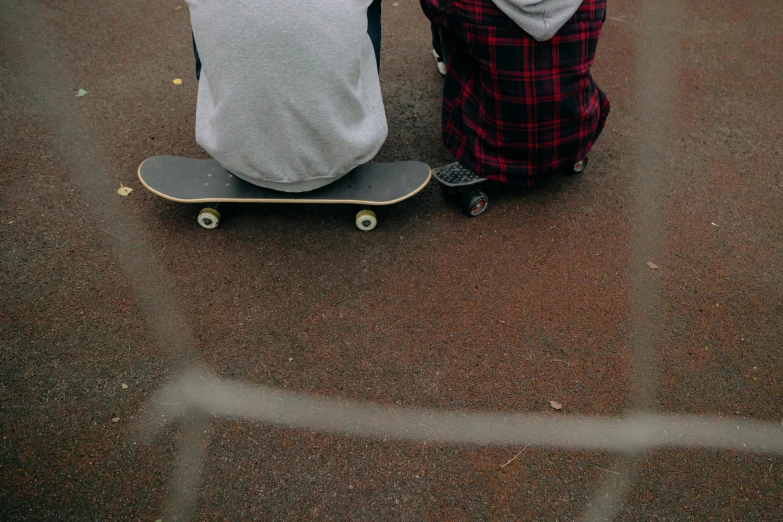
<point x="541" y="19"/>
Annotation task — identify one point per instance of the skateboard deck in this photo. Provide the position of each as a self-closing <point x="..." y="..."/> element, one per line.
<point x="188" y="180"/>
<point x="456" y="175"/>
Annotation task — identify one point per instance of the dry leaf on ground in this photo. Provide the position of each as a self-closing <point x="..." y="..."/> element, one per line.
<point x="82" y="92"/>
<point x="556" y="405"/>
<point x="123" y="190"/>
<point x="177" y="81"/>
<point x="652" y="265"/>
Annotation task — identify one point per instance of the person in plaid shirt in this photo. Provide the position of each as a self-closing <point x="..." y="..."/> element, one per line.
<point x="519" y="101"/>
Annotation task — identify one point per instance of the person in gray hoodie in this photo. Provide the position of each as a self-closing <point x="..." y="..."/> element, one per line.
<point x="289" y="96"/>
<point x="519" y="101"/>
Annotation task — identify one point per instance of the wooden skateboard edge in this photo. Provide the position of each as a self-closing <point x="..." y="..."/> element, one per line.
<point x="304" y="200"/>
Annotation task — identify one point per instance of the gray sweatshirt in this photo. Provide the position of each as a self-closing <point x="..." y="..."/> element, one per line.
<point x="289" y="96"/>
<point x="541" y="19"/>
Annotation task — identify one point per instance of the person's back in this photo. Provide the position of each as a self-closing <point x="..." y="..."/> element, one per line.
<point x="518" y="100"/>
<point x="289" y="96"/>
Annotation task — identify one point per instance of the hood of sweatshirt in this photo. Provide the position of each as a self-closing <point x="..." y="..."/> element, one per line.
<point x="541" y="19"/>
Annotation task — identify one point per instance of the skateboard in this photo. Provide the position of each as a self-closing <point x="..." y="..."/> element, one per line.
<point x="456" y="179"/>
<point x="188" y="180"/>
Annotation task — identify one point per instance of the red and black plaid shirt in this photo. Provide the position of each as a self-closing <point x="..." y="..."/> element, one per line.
<point x="513" y="107"/>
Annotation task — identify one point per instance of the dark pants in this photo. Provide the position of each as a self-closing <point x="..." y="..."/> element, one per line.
<point x="441" y="42"/>
<point x="198" y="60"/>
<point x="373" y="29"/>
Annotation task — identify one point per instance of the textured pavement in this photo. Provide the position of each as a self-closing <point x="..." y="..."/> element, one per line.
<point x="548" y="296"/>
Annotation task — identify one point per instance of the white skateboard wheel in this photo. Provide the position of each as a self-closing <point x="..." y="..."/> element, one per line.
<point x="209" y="218"/>
<point x="366" y="220"/>
<point x="580" y="166"/>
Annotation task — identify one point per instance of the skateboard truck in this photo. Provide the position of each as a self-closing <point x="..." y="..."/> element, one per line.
<point x="209" y="218"/>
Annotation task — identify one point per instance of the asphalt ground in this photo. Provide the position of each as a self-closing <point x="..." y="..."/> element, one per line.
<point x="546" y="297"/>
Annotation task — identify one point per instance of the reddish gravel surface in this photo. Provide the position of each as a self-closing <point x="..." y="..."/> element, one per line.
<point x="545" y="297"/>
